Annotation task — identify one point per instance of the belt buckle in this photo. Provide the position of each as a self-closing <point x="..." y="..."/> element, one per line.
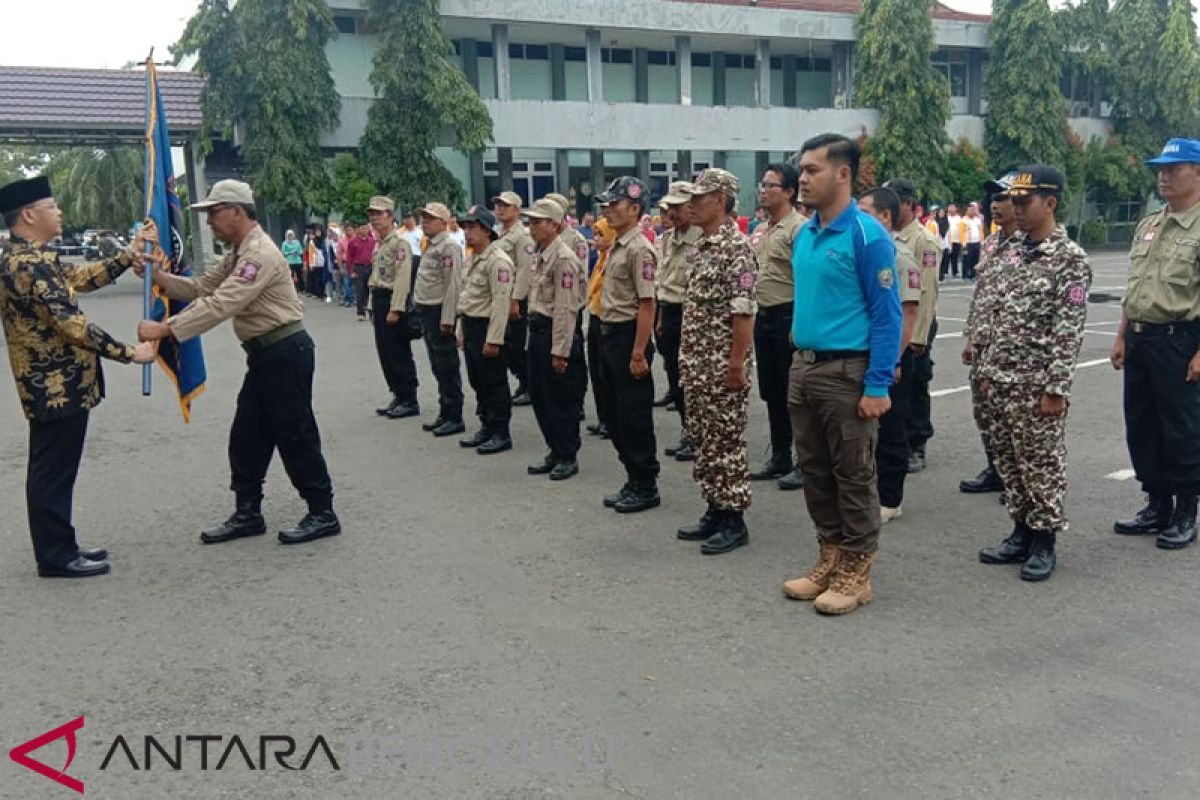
<point x="1138" y="327"/>
<point x="808" y="356"/>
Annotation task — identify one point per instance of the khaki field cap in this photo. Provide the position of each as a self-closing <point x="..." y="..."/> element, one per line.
<point x="381" y="203"/>
<point x="229" y="191"/>
<point x="508" y="198"/>
<point x="716" y="180"/>
<point x="680" y="192"/>
<point x="437" y="211"/>
<point x="561" y="200"/>
<point x="545" y="209"/>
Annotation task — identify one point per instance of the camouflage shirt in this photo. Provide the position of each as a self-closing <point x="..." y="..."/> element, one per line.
<point x="720" y="285"/>
<point x="1036" y="313"/>
<point x="993" y="258"/>
<point x="53" y="349"/>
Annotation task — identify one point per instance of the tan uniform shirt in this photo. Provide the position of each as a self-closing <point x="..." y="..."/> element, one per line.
<point x="577" y="244"/>
<point x="391" y="269"/>
<point x="908" y="273"/>
<point x="1164" y="282"/>
<point x="678" y="250"/>
<point x="518" y="245"/>
<point x="253" y="286"/>
<point x="557" y="275"/>
<point x="487" y="290"/>
<point x="926" y="250"/>
<point x="772" y="243"/>
<point x="629" y="276"/>
<point x="439" y="276"/>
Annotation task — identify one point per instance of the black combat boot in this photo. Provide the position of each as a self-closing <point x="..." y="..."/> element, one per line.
<point x="1041" y="561"/>
<point x="611" y="500"/>
<point x="247" y="520"/>
<point x="703" y="529"/>
<point x="986" y="481"/>
<point x="475" y="439"/>
<point x="1013" y="550"/>
<point x="731" y="534"/>
<point x="780" y="464"/>
<point x="498" y="443"/>
<point x="1154" y="518"/>
<point x="1182" y="530"/>
<point x="404" y="410"/>
<point x="543" y="467"/>
<point x="315" y="525"/>
<point x="639" y="498"/>
<point x="792" y="481"/>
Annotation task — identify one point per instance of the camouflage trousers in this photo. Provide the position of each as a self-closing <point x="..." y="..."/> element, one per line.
<point x="716" y="425"/>
<point x="979" y="408"/>
<point x="1030" y="453"/>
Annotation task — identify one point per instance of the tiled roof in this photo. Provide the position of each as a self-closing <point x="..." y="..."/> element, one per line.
<point x="940" y="11"/>
<point x="33" y="98"/>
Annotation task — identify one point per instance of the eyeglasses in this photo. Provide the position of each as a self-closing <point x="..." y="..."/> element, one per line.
<point x="768" y="185"/>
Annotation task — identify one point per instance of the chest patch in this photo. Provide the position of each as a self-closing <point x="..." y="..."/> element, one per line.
<point x="1149" y="235"/>
<point x="248" y="271"/>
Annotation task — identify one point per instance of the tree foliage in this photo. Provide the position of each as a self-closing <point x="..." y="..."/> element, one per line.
<point x="350" y="191"/>
<point x="268" y="78"/>
<point x="966" y="172"/>
<point x="420" y="94"/>
<point x="1027" y="114"/>
<point x="895" y="75"/>
<point x="98" y="188"/>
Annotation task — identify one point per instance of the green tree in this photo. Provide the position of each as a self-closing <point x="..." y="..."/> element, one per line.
<point x="18" y="163"/>
<point x="966" y="172"/>
<point x="269" y="78"/>
<point x="350" y="191"/>
<point x="422" y="99"/>
<point x="98" y="188"/>
<point x="1027" y="114"/>
<point x="1134" y="34"/>
<point x="894" y="74"/>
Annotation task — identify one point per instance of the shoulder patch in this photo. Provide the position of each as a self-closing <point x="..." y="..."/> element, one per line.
<point x="746" y="280"/>
<point x="929" y="259"/>
<point x="887" y="278"/>
<point x="447" y="261"/>
<point x="247" y="271"/>
<point x="568" y="280"/>
<point x="581" y="250"/>
<point x="1076" y="294"/>
<point x="529" y="248"/>
<point x="503" y="275"/>
<point x="914" y="279"/>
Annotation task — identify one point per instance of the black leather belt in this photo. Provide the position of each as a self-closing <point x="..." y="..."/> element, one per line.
<point x="614" y="328"/>
<point x="815" y="356"/>
<point x="259" y="343"/>
<point x="1168" y="328"/>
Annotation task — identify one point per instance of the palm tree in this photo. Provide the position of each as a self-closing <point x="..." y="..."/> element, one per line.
<point x="98" y="188"/>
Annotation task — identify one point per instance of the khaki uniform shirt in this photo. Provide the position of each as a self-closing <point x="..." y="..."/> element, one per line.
<point x="53" y="349"/>
<point x="629" y="276"/>
<point x="1164" y="282"/>
<point x="909" y="274"/>
<point x="720" y="286"/>
<point x="487" y="290"/>
<point x="518" y="245"/>
<point x="772" y="243"/>
<point x="253" y="286"/>
<point x="678" y="249"/>
<point x="391" y="269"/>
<point x="439" y="276"/>
<point x="926" y="250"/>
<point x="577" y="244"/>
<point x="557" y="276"/>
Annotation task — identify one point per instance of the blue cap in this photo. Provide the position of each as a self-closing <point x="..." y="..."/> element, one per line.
<point x="1178" y="151"/>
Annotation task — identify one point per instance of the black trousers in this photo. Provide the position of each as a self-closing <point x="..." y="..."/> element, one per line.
<point x="920" y="422"/>
<point x="773" y="350"/>
<point x="487" y="377"/>
<point x="595" y="362"/>
<point x="394" y="348"/>
<point x="442" y="349"/>
<point x="970" y="260"/>
<point x="671" y="318"/>
<point x="361" y="275"/>
<point x="631" y="422"/>
<point x="55" y="448"/>
<point x="515" y="340"/>
<point x="274" y="411"/>
<point x="1162" y="410"/>
<point x="891" y="452"/>
<point x="556" y="398"/>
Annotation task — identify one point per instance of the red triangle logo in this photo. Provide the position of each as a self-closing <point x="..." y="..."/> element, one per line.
<point x="20" y="754"/>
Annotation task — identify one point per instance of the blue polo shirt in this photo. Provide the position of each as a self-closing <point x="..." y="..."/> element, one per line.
<point x="846" y="297"/>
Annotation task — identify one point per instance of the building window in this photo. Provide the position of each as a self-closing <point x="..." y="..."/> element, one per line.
<point x="575" y="53"/>
<point x="345" y="24"/>
<point x="537" y="52"/>
<point x="701" y="59"/>
<point x="658" y="166"/>
<point x="663" y="58"/>
<point x="953" y="65"/>
<point x="776" y="62"/>
<point x="484" y="49"/>
<point x="616" y="55"/>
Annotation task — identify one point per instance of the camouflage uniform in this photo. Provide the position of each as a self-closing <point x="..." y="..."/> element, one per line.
<point x="720" y="285"/>
<point x="1032" y="320"/>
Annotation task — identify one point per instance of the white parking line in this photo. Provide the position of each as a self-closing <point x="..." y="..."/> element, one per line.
<point x="1121" y="475"/>
<point x="960" y="389"/>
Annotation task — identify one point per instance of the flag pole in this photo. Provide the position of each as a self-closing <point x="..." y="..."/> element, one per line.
<point x="148" y="185"/>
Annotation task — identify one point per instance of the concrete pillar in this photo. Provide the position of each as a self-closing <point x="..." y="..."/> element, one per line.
<point x="975" y="82"/>
<point x="762" y="72"/>
<point x="470" y="57"/>
<point x="641" y="164"/>
<point x="683" y="167"/>
<point x="595" y="69"/>
<point x="504" y="156"/>
<point x="641" y="75"/>
<point x="197" y="187"/>
<point x="562" y="171"/>
<point x="718" y="78"/>
<point x="558" y="72"/>
<point x="683" y="68"/>
<point x="500" y="61"/>
<point x="761" y="159"/>
<point x="597" y="179"/>
<point x="719" y="158"/>
<point x="478" y="190"/>
<point x="789" y="81"/>
<point x="843" y="75"/>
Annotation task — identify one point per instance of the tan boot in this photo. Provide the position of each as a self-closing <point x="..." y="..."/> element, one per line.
<point x="817" y="580"/>
<point x="850" y="586"/>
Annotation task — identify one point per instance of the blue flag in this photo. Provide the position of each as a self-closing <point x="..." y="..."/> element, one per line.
<point x="183" y="362"/>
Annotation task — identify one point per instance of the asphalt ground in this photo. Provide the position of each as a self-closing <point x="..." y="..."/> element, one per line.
<point x="469" y="611"/>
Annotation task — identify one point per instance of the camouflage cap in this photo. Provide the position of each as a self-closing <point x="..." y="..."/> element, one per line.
<point x="624" y="187"/>
<point x="679" y="193"/>
<point x="715" y="179"/>
<point x="545" y="209"/>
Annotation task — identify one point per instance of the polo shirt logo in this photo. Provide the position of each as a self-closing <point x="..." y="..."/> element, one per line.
<point x="887" y="278"/>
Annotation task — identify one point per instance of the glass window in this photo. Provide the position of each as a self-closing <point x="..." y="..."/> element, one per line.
<point x="537" y="52"/>
<point x="484" y="49"/>
<point x="701" y="59"/>
<point x="344" y="24"/>
<point x="575" y="54"/>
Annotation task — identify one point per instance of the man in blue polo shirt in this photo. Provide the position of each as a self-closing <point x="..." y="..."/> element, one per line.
<point x="846" y="330"/>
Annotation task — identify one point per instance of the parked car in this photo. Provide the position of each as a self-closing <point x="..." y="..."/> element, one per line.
<point x="68" y="245"/>
<point x="91" y="241"/>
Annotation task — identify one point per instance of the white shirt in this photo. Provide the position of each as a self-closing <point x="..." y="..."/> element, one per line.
<point x="952" y="232"/>
<point x="414" y="240"/>
<point x="974" y="227"/>
<point x="460" y="237"/>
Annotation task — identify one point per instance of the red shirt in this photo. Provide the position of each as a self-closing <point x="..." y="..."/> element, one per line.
<point x="359" y="251"/>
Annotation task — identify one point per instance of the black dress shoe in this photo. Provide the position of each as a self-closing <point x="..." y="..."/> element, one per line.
<point x="93" y="553"/>
<point x="675" y="448"/>
<point x="79" y="568"/>
<point x="776" y="467"/>
<point x="437" y="423"/>
<point x="703" y="529"/>
<point x="1041" y="561"/>
<point x="383" y="411"/>
<point x="684" y="453"/>
<point x="986" y="481"/>
<point x="449" y="428"/>
<point x="731" y="534"/>
<point x="792" y="481"/>
<point x="1154" y="518"/>
<point x="244" y="522"/>
<point x="611" y="500"/>
<point x="313" y="526"/>
<point x="543" y="467"/>
<point x="662" y="401"/>
<point x="564" y="469"/>
<point x="402" y="410"/>
<point x="522" y="398"/>
<point x="638" y="500"/>
<point x="1013" y="550"/>
<point x="916" y="461"/>
<point x="1182" y="530"/>
<point x="498" y="443"/>
<point x="475" y="439"/>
